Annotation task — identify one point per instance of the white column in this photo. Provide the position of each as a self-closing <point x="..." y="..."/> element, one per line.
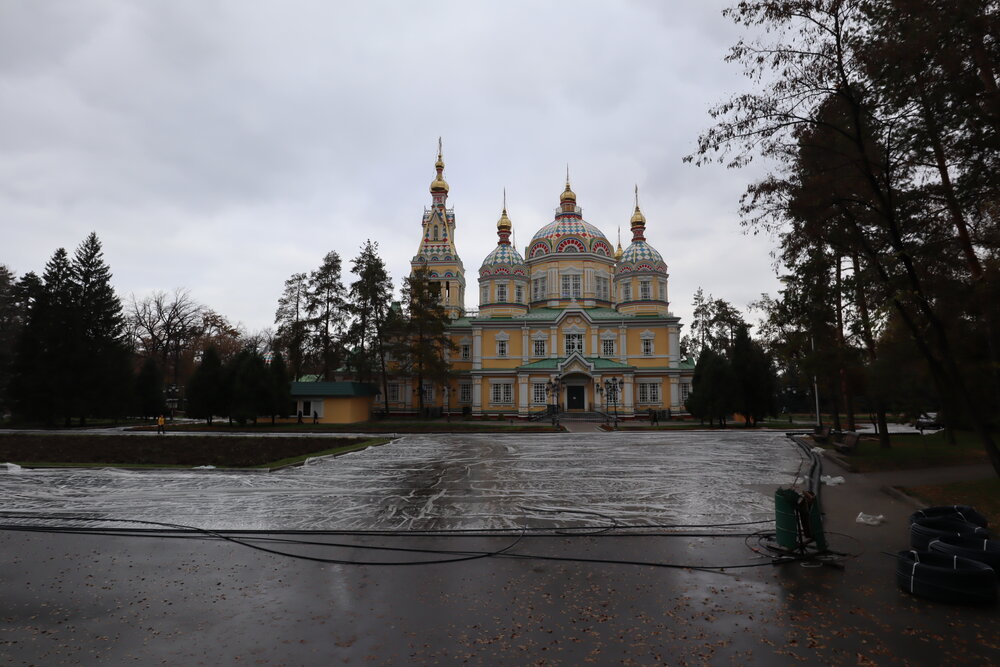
<point x="477" y="394"/>
<point x="477" y="348"/>
<point x="629" y="404"/>
<point x="524" y="344"/>
<point x="675" y="347"/>
<point x="522" y="395"/>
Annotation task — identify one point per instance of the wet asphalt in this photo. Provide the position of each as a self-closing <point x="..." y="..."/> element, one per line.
<point x="100" y="599"/>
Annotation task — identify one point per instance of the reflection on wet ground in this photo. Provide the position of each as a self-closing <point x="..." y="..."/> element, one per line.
<point x="461" y="481"/>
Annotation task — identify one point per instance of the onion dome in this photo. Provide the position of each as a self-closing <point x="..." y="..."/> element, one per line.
<point x="618" y="249"/>
<point x="640" y="256"/>
<point x="569" y="232"/>
<point x="504" y="259"/>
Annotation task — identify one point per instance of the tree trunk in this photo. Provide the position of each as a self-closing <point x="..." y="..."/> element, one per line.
<point x="868" y="337"/>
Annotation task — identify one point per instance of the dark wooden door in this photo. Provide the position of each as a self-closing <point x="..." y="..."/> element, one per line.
<point x="574" y="398"/>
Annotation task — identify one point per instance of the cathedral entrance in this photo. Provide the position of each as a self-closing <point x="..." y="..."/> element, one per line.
<point x="575" y="398"/>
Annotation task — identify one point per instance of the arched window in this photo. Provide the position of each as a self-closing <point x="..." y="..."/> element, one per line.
<point x="435" y="232"/>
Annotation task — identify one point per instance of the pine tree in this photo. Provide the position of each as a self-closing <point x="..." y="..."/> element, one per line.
<point x="292" y="322"/>
<point x="325" y="305"/>
<point x="10" y="328"/>
<point x="100" y="366"/>
<point x="206" y="391"/>
<point x="423" y="339"/>
<point x="369" y="303"/>
<point x="280" y="396"/>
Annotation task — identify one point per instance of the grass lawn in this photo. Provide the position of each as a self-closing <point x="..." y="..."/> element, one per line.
<point x="916" y="451"/>
<point x="37" y="450"/>
<point x="983" y="494"/>
<point x="380" y="426"/>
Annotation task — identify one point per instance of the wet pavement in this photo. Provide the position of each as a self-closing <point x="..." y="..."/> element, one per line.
<point x="560" y="597"/>
<point x="442" y="481"/>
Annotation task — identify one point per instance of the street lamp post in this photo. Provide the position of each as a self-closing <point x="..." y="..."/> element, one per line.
<point x="552" y="389"/>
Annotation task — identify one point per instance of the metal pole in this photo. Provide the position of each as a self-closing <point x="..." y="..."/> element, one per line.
<point x="812" y="343"/>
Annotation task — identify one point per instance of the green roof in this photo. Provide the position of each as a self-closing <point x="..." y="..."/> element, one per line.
<point x="333" y="389"/>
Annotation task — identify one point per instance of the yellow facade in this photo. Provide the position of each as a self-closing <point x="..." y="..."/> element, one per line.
<point x="559" y="325"/>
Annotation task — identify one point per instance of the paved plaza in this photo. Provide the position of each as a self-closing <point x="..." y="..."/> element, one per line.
<point x="569" y="515"/>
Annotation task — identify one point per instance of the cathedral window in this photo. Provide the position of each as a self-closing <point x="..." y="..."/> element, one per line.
<point x="663" y="291"/>
<point x="502" y="293"/>
<point x="645" y="290"/>
<point x="501" y="348"/>
<point x="647" y="347"/>
<point x="428" y="392"/>
<point x="466" y="351"/>
<point x="685" y="391"/>
<point x="608" y="347"/>
<point x="574" y="343"/>
<point x="602" y="288"/>
<point x="465" y="393"/>
<point x="538" y="348"/>
<point x="538" y="393"/>
<point x="518" y="294"/>
<point x="435" y="232"/>
<point x="484" y="294"/>
<point x="571" y="287"/>
<point x="538" y="289"/>
<point x="394" y="393"/>
<point x="627" y="292"/>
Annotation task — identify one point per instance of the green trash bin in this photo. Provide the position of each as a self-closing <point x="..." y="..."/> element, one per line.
<point x="798" y="521"/>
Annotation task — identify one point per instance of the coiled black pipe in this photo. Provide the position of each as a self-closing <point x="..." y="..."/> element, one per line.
<point x="964" y="512"/>
<point x="982" y="550"/>
<point x="945" y="578"/>
<point x="922" y="531"/>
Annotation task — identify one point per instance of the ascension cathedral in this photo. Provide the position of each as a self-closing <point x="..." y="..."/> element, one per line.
<point x="571" y="322"/>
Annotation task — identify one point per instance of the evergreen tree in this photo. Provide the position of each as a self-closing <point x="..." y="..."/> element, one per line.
<point x="755" y="384"/>
<point x="422" y="340"/>
<point x="712" y="396"/>
<point x="250" y="387"/>
<point x="44" y="384"/>
<point x="206" y="391"/>
<point x="10" y="329"/>
<point x="369" y="304"/>
<point x="101" y="371"/>
<point x="325" y="305"/>
<point x="149" y="390"/>
<point x="280" y="397"/>
<point x="292" y="322"/>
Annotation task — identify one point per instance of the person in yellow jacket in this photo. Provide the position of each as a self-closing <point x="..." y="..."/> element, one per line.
<point x="161" y="424"/>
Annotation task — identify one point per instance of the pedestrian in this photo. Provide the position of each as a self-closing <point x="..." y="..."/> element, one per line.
<point x="654" y="418"/>
<point x="315" y="417"/>
<point x="300" y="416"/>
<point x="161" y="425"/>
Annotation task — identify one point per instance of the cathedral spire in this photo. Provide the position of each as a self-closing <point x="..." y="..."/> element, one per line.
<point x="439" y="187"/>
<point x="504" y="224"/>
<point x="618" y="250"/>
<point x="567" y="201"/>
<point x="638" y="221"/>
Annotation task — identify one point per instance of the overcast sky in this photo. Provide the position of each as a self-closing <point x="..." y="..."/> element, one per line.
<point x="223" y="146"/>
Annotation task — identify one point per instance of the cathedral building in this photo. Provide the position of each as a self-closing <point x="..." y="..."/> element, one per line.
<point x="572" y="322"/>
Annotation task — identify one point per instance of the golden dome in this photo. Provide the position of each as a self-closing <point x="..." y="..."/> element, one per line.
<point x="504" y="222"/>
<point x="638" y="218"/>
<point x="618" y="252"/>
<point x="567" y="195"/>
<point x="439" y="183"/>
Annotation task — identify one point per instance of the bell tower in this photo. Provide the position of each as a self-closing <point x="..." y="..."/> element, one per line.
<point x="437" y="245"/>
